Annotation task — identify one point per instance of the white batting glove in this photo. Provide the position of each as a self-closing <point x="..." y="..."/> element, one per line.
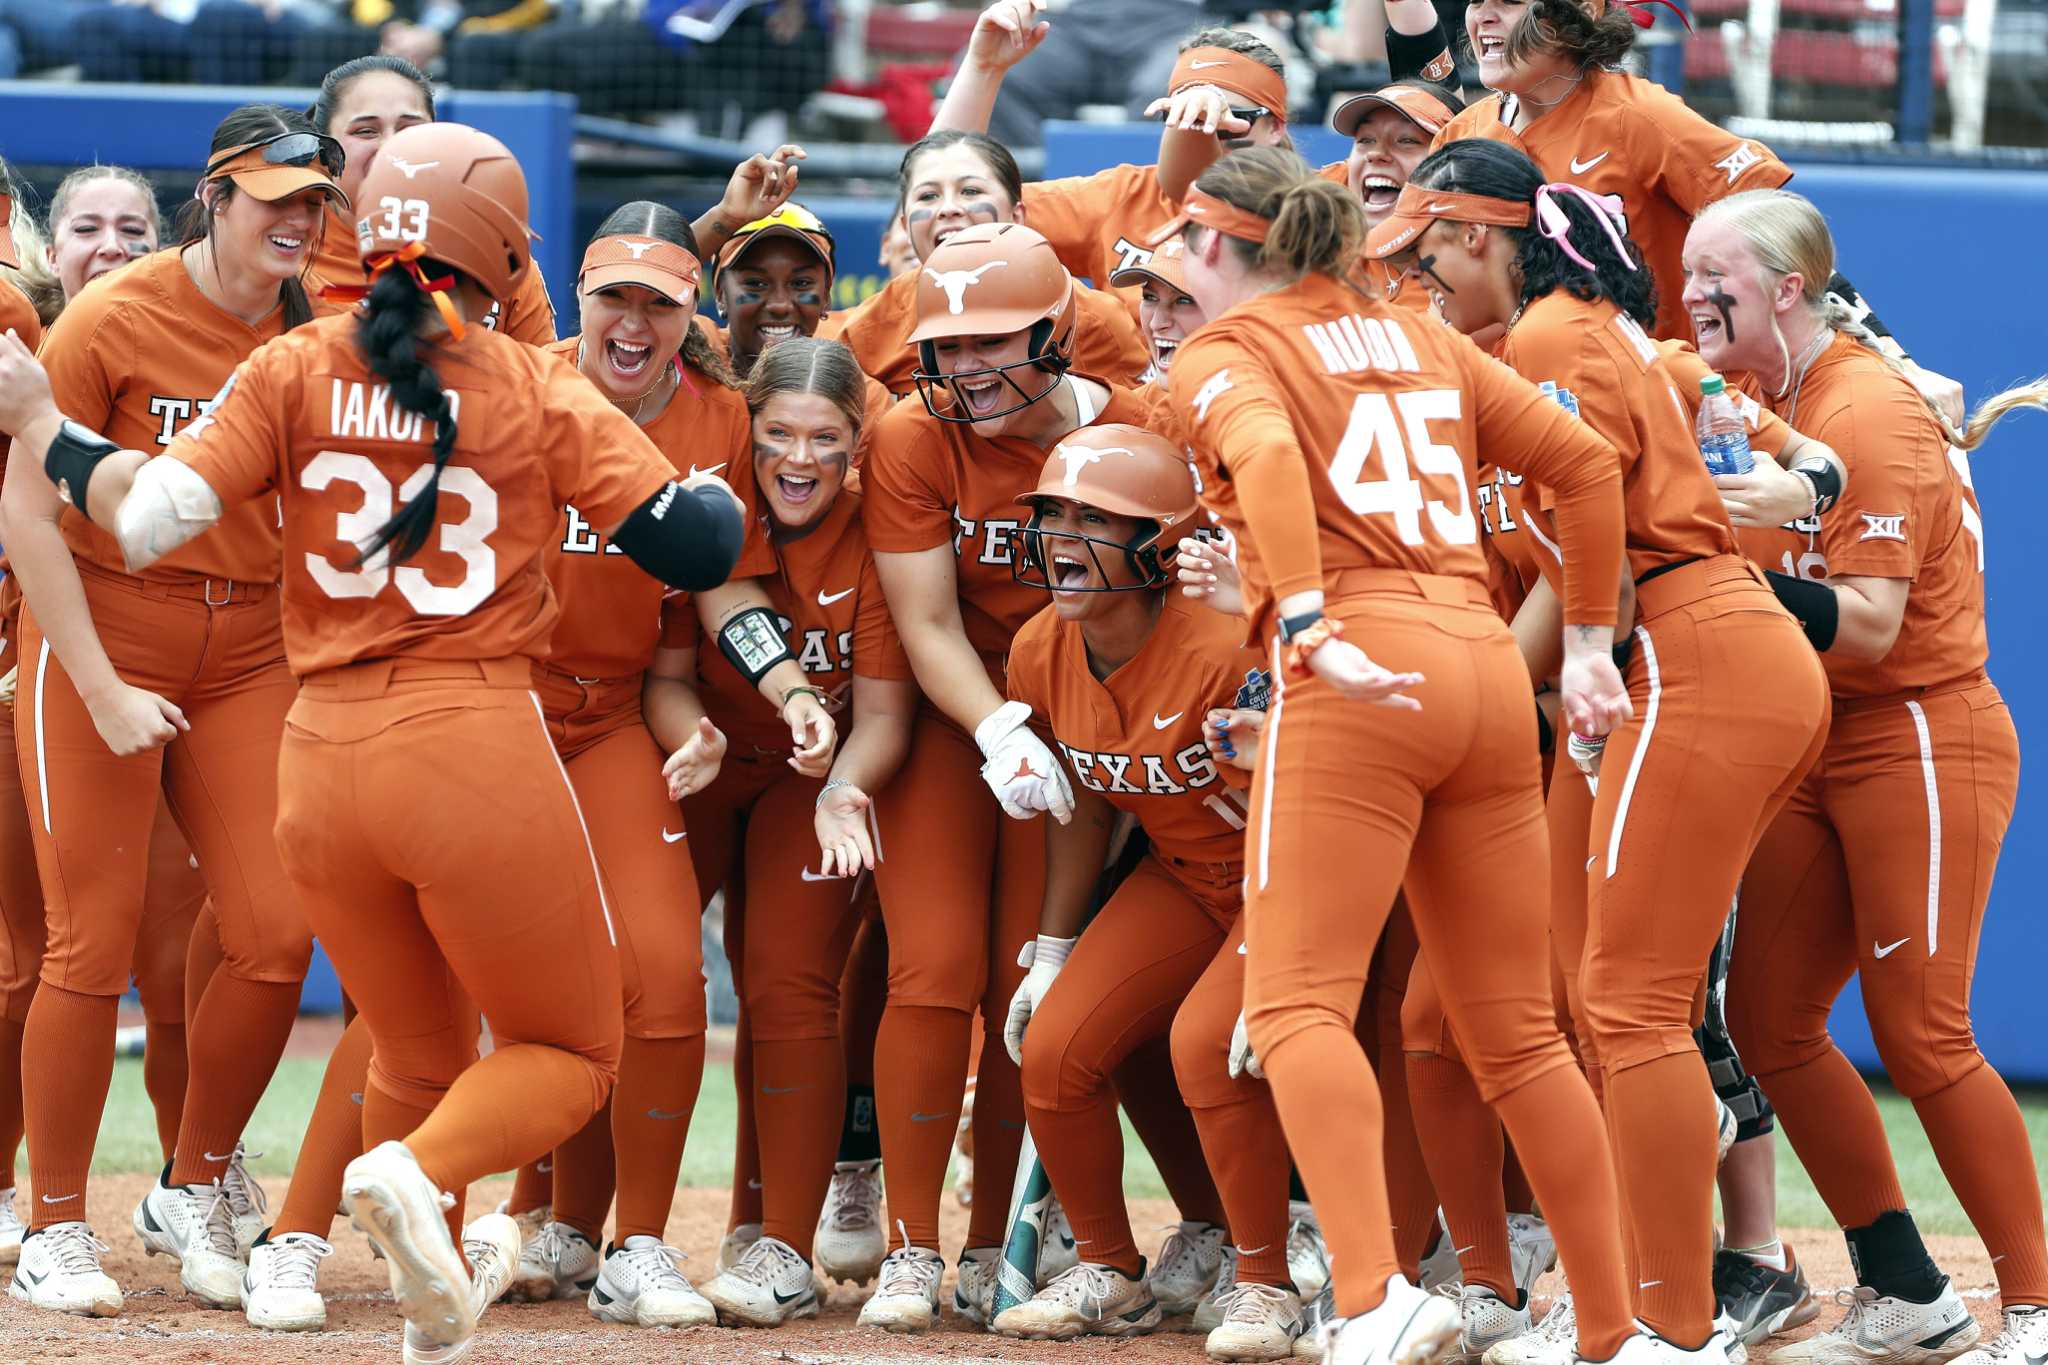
<point x="1020" y="770"/>
<point x="1243" y="1061"/>
<point x="1044" y="958"/>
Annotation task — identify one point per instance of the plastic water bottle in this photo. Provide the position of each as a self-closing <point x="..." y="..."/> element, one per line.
<point x="1723" y="436"/>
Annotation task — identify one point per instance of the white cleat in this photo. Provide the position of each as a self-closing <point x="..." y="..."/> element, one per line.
<point x="1260" y="1322"/>
<point x="1484" y="1320"/>
<point x="391" y="1200"/>
<point x="1409" y="1327"/>
<point x="906" y="1297"/>
<point x="12" y="1229"/>
<point x="559" y="1263"/>
<point x="1879" y="1330"/>
<point x="59" y="1269"/>
<point x="851" y="1243"/>
<point x="1316" y="1315"/>
<point x="1189" y="1261"/>
<point x="733" y="1246"/>
<point x="771" y="1284"/>
<point x="1208" y="1314"/>
<point x="1647" y="1348"/>
<point x="1058" y="1253"/>
<point x="193" y="1224"/>
<point x="530" y="1222"/>
<point x="1308" y="1260"/>
<point x="1441" y="1267"/>
<point x="1553" y="1341"/>
<point x="974" y="1292"/>
<point x="281" y="1287"/>
<point x="491" y="1245"/>
<point x="246" y="1200"/>
<point x="1089" y="1300"/>
<point x="1531" y="1250"/>
<point x="641" y="1284"/>
<point x="2024" y="1339"/>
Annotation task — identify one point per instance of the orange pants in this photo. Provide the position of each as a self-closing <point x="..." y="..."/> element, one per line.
<point x="1684" y="795"/>
<point x="431" y="831"/>
<point x="1127" y="980"/>
<point x="788" y="939"/>
<point x="1411" y="1191"/>
<point x="90" y="818"/>
<point x="1445" y="803"/>
<point x="961" y="889"/>
<point x="1881" y="865"/>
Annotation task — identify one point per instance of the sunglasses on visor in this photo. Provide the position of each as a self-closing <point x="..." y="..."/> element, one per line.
<point x="288" y="149"/>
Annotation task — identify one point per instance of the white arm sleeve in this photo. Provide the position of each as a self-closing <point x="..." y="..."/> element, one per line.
<point x="167" y="505"/>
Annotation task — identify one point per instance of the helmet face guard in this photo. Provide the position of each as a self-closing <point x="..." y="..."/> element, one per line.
<point x="931" y="382"/>
<point x="1033" y="566"/>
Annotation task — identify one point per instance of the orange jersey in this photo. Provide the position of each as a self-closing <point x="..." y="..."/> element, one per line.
<point x="1390" y="412"/>
<point x="1513" y="560"/>
<point x="136" y="357"/>
<point x="1616" y="375"/>
<point x="1106" y="340"/>
<point x="18" y="315"/>
<point x="1908" y="512"/>
<point x="530" y="317"/>
<point x="931" y="483"/>
<point x="824" y="587"/>
<point x="1136" y="736"/>
<point x="611" y="607"/>
<point x="305" y="418"/>
<point x="1098" y="224"/>
<point x="1623" y="135"/>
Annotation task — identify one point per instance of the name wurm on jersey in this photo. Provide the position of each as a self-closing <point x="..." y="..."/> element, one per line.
<point x="365" y="412"/>
<point x="1105" y="772"/>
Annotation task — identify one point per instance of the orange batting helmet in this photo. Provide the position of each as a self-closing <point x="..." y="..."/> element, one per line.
<point x="1120" y="469"/>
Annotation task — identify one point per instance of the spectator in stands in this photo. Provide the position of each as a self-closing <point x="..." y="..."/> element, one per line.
<point x="214" y="42"/>
<point x="35" y="35"/>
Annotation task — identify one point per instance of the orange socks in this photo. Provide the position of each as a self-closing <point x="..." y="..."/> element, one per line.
<point x="657" y="1091"/>
<point x="334" y="1137"/>
<point x="522" y="1099"/>
<point x="1464" y="1157"/>
<point x="585" y="1176"/>
<point x="1829" y="1117"/>
<point x="747" y="1202"/>
<point x="165" y="1071"/>
<point x="234" y="1043"/>
<point x="1248" y="1152"/>
<point x="921" y="1054"/>
<point x="1150" y="1094"/>
<point x="67" y="1063"/>
<point x="1661" y="1115"/>
<point x="1083" y="1152"/>
<point x="1980" y="1139"/>
<point x="10" y="1094"/>
<point x="799" y="1095"/>
<point x="998" y="1135"/>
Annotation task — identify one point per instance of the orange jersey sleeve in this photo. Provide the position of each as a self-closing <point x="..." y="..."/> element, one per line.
<point x="137" y="357"/>
<point x="1906" y="513"/>
<point x="829" y="598"/>
<point x="19" y="316"/>
<point x="1136" y="737"/>
<point x="530" y="314"/>
<point x="611" y="607"/>
<point x="1348" y="432"/>
<point x="1623" y="135"/>
<point x="929" y="483"/>
<point x="1604" y="364"/>
<point x="1098" y="224"/>
<point x="1106" y="339"/>
<point x="306" y="416"/>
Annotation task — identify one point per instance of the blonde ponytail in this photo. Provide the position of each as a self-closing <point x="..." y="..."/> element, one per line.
<point x="2033" y="394"/>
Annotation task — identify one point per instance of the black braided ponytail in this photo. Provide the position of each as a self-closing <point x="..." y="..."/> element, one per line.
<point x="389" y="333"/>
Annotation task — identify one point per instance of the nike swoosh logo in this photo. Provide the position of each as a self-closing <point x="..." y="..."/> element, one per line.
<point x="1590" y="861"/>
<point x="753" y="1184"/>
<point x="58" y="1198"/>
<point x="1647" y="1284"/>
<point x="781" y="1297"/>
<point x="780" y="1089"/>
<point x="25" y="1273"/>
<point x="1439" y="208"/>
<point x="1460" y="1251"/>
<point x="1891" y="948"/>
<point x="668" y="838"/>
<point x="826" y="599"/>
<point x="1203" y="66"/>
<point x="928" y="1118"/>
<point x="230" y="1156"/>
<point x="694" y="471"/>
<point x="658" y="1114"/>
<point x="1159" y="724"/>
<point x="543" y="1167"/>
<point x="1581" y="167"/>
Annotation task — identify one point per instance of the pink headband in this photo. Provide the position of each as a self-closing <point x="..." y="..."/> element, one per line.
<point x="1554" y="224"/>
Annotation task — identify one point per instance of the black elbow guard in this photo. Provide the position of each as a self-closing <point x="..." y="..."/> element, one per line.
<point x="73" y="455"/>
<point x="752" y="640"/>
<point x="1826" y="480"/>
<point x="687" y="538"/>
<point x="1812" y="604"/>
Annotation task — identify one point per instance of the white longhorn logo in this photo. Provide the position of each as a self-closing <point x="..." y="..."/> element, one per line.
<point x="955" y="282"/>
<point x="411" y="169"/>
<point x="1079" y="458"/>
<point x="639" y="249"/>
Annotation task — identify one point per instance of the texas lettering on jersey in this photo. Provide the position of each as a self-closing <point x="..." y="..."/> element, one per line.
<point x="994" y="539"/>
<point x="1143" y="774"/>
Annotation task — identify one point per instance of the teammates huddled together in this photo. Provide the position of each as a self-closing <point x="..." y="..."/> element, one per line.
<point x="1256" y="635"/>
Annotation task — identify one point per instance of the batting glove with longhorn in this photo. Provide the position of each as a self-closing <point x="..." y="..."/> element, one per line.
<point x="1020" y="770"/>
<point x="1243" y="1061"/>
<point x="1044" y="958"/>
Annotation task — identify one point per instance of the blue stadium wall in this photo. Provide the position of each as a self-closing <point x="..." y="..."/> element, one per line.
<point x="1950" y="257"/>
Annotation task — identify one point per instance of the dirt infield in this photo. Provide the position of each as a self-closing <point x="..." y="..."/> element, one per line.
<point x="163" y="1327"/>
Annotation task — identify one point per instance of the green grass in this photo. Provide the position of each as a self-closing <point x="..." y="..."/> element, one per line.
<point x="128" y="1143"/>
